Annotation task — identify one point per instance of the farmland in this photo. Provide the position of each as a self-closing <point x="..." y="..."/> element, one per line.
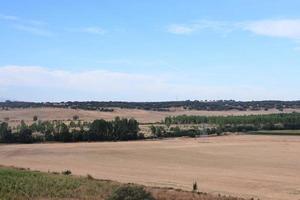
<point x="265" y="167"/>
<point x="51" y="185"/>
<point x="15" y="115"/>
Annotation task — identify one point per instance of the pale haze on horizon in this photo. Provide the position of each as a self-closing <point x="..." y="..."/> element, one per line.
<point x="149" y="50"/>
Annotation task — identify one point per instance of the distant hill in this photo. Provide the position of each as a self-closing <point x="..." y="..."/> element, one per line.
<point x="160" y="106"/>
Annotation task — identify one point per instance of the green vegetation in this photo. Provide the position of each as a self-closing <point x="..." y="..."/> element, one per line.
<point x="20" y="184"/>
<point x="128" y="129"/>
<point x="130" y="192"/>
<point x="276" y="132"/>
<point x="220" y="124"/>
<point x="159" y="106"/>
<point x="284" y="118"/>
<point x="98" y="130"/>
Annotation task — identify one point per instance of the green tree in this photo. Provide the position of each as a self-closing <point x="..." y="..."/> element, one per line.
<point x="63" y="133"/>
<point x="25" y="135"/>
<point x="99" y="130"/>
<point x="5" y="133"/>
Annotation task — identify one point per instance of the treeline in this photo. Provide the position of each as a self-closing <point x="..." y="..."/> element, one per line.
<point x="282" y="121"/>
<point x="218" y="125"/>
<point x="282" y="118"/>
<point x="159" y="106"/>
<point x="99" y="130"/>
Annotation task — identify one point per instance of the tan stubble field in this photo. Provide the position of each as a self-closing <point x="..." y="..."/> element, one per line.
<point x="267" y="167"/>
<point x="143" y="116"/>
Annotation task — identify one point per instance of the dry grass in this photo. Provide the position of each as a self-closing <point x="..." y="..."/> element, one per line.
<point x="21" y="184"/>
<point x="248" y="166"/>
<point x="16" y="115"/>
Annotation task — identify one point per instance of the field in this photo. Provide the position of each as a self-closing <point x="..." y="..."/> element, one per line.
<point x="265" y="167"/>
<point x="143" y="116"/>
<point x="22" y="184"/>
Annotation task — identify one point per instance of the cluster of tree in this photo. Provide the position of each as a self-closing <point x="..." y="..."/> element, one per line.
<point x="159" y="106"/>
<point x="281" y="118"/>
<point x="162" y="132"/>
<point x="221" y="124"/>
<point x="98" y="130"/>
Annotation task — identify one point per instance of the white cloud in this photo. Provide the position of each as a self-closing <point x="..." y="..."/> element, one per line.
<point x="200" y="25"/>
<point x="33" y="83"/>
<point x="94" y="30"/>
<point x="14" y="18"/>
<point x="9" y="17"/>
<point x="35" y="27"/>
<point x="34" y="30"/>
<point x="40" y="76"/>
<point x="286" y="28"/>
<point x="180" y="29"/>
<point x="92" y="82"/>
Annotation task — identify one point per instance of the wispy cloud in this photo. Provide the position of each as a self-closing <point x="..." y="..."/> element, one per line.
<point x="133" y="62"/>
<point x="181" y="29"/>
<point x="162" y="64"/>
<point x="35" y="27"/>
<point x="9" y="17"/>
<point x="284" y="28"/>
<point x="33" y="30"/>
<point x="94" y="30"/>
<point x="40" y="83"/>
<point x="200" y="25"/>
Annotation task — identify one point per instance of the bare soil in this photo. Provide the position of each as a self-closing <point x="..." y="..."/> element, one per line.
<point x="265" y="167"/>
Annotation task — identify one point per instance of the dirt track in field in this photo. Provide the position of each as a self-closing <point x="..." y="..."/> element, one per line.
<point x="16" y="115"/>
<point x="267" y="167"/>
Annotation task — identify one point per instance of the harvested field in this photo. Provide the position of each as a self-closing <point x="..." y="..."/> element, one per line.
<point x="267" y="167"/>
<point x="41" y="186"/>
<point x="26" y="114"/>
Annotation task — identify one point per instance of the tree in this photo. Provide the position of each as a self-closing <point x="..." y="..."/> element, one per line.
<point x="64" y="134"/>
<point x="25" y="135"/>
<point x="133" y="129"/>
<point x="168" y="121"/>
<point x="153" y="129"/>
<point x="99" y="130"/>
<point x="5" y="133"/>
<point x="35" y="118"/>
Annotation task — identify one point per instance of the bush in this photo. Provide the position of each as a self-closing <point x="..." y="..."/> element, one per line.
<point x="130" y="192"/>
<point x="90" y="177"/>
<point x="35" y="118"/>
<point x="195" y="187"/>
<point x="67" y="172"/>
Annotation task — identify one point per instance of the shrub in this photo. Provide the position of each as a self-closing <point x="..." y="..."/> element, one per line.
<point x="35" y="118"/>
<point x="90" y="177"/>
<point x="130" y="192"/>
<point x="66" y="172"/>
<point x="195" y="187"/>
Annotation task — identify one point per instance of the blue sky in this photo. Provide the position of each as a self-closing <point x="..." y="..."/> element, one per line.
<point x="139" y="50"/>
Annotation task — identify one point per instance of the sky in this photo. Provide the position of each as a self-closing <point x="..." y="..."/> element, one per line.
<point x="138" y="50"/>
